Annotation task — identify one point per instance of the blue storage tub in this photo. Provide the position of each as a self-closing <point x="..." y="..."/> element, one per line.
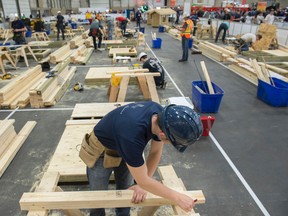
<point x="161" y="28"/>
<point x="6" y="44"/>
<point x="276" y="96"/>
<point x="142" y="29"/>
<point x="157" y="43"/>
<point x="206" y="103"/>
<point x="74" y="25"/>
<point x="28" y="34"/>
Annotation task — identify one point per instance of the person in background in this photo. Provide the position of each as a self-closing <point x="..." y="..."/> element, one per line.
<point x="286" y="17"/>
<point x="119" y="139"/>
<point x="177" y="15"/>
<point x="223" y="27"/>
<point x="186" y="31"/>
<point x="96" y="31"/>
<point x="122" y="23"/>
<point x="88" y="16"/>
<point x="60" y="25"/>
<point x="249" y="18"/>
<point x="269" y="19"/>
<point x="226" y="15"/>
<point x="138" y="17"/>
<point x="260" y="18"/>
<point x="247" y="40"/>
<point x="153" y="65"/>
<point x="110" y="26"/>
<point x="19" y="29"/>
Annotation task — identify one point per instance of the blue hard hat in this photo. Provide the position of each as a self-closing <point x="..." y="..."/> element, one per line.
<point x="181" y="125"/>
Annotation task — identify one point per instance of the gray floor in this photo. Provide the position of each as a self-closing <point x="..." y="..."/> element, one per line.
<point x="252" y="133"/>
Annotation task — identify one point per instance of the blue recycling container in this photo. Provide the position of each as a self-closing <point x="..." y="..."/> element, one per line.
<point x="28" y="34"/>
<point x="206" y="103"/>
<point x="161" y="28"/>
<point x="190" y="43"/>
<point x="74" y="25"/>
<point x="156" y="44"/>
<point x="275" y="95"/>
<point x="142" y="29"/>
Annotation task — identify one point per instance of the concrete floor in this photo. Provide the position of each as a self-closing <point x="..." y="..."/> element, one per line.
<point x="252" y="133"/>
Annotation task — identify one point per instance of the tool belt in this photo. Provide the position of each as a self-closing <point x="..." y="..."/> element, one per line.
<point x="92" y="149"/>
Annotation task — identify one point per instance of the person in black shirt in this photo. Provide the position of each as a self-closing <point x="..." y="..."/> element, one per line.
<point x="18" y="30"/>
<point x="138" y="18"/>
<point x="60" y="25"/>
<point x="153" y="65"/>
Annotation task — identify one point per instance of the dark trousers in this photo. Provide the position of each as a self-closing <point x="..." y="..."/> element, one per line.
<point x="222" y="27"/>
<point x="99" y="42"/>
<point x="185" y="48"/>
<point x="138" y="23"/>
<point x="60" y="28"/>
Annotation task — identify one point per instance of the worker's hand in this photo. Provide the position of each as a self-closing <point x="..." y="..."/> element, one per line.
<point x="185" y="202"/>
<point x="139" y="194"/>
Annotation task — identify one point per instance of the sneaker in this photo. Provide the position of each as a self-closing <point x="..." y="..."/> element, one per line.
<point x="163" y="86"/>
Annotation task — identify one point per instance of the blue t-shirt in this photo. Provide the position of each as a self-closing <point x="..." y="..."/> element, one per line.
<point x="127" y="129"/>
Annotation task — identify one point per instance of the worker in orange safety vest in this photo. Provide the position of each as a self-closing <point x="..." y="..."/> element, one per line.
<point x="186" y="31"/>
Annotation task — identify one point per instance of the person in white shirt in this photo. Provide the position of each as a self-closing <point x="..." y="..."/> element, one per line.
<point x="260" y="18"/>
<point x="247" y="40"/>
<point x="269" y="19"/>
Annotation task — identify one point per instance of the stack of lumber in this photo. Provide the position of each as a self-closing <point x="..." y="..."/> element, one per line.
<point x="16" y="92"/>
<point x="269" y="37"/>
<point x="81" y="55"/>
<point x="76" y="42"/>
<point x="11" y="142"/>
<point x="250" y="70"/>
<point x="85" y="34"/>
<point x="174" y="33"/>
<point x="268" y="55"/>
<point x="215" y="52"/>
<point x="60" y="54"/>
<point x="50" y="90"/>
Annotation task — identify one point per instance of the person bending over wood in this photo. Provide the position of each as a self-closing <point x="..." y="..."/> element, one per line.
<point x="117" y="144"/>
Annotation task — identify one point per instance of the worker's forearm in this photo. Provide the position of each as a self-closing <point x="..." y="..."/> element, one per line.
<point x="155" y="187"/>
<point x="152" y="162"/>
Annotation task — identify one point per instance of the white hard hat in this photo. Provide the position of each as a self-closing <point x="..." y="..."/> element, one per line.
<point x="186" y="14"/>
<point x="58" y="12"/>
<point x="12" y="17"/>
<point x="142" y="54"/>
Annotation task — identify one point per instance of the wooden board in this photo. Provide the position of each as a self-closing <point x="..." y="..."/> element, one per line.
<point x="92" y="199"/>
<point x="122" y="52"/>
<point x="101" y="74"/>
<point x="94" y="110"/>
<point x="276" y="52"/>
<point x="10" y="153"/>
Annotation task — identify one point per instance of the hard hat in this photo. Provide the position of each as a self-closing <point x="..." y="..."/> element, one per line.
<point x="59" y="12"/>
<point x="181" y="125"/>
<point x="141" y="55"/>
<point x="12" y="17"/>
<point x="186" y="14"/>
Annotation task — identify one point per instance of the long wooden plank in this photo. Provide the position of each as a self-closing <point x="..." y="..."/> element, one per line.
<point x="207" y="78"/>
<point x="6" y="159"/>
<point x="93" y="199"/>
<point x="152" y="89"/>
<point x="94" y="110"/>
<point x="123" y="88"/>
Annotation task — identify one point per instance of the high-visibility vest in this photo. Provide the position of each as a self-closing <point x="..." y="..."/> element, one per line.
<point x="189" y="28"/>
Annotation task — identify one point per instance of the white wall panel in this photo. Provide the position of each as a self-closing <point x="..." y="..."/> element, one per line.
<point x="25" y="7"/>
<point x="9" y="7"/>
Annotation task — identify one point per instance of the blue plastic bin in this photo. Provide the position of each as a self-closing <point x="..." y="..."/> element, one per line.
<point x="74" y="25"/>
<point x="206" y="103"/>
<point x="157" y="43"/>
<point x="190" y="43"/>
<point x="142" y="29"/>
<point x="161" y="28"/>
<point x="28" y="34"/>
<point x="6" y="44"/>
<point x="276" y="96"/>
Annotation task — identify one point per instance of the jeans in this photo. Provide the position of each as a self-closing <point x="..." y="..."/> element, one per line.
<point x="99" y="42"/>
<point x="60" y="28"/>
<point x="185" y="48"/>
<point x="221" y="27"/>
<point x="98" y="178"/>
<point x="138" y="24"/>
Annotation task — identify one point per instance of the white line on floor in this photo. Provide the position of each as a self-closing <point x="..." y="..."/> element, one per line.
<point x="234" y="168"/>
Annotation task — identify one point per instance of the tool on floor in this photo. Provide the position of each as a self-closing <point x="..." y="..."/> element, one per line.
<point x="78" y="86"/>
<point x="6" y="76"/>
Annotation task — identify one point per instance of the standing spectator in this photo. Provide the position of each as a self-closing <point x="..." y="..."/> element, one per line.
<point x="249" y="18"/>
<point x="260" y="18"/>
<point x="88" y="17"/>
<point x="227" y="15"/>
<point x="60" y="25"/>
<point x="286" y="18"/>
<point x="186" y="31"/>
<point x="269" y="19"/>
<point x="223" y="27"/>
<point x="177" y="15"/>
<point x="96" y="31"/>
<point x="138" y="18"/>
<point x="19" y="29"/>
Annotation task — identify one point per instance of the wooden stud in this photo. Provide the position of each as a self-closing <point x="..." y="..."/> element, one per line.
<point x="207" y="78"/>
